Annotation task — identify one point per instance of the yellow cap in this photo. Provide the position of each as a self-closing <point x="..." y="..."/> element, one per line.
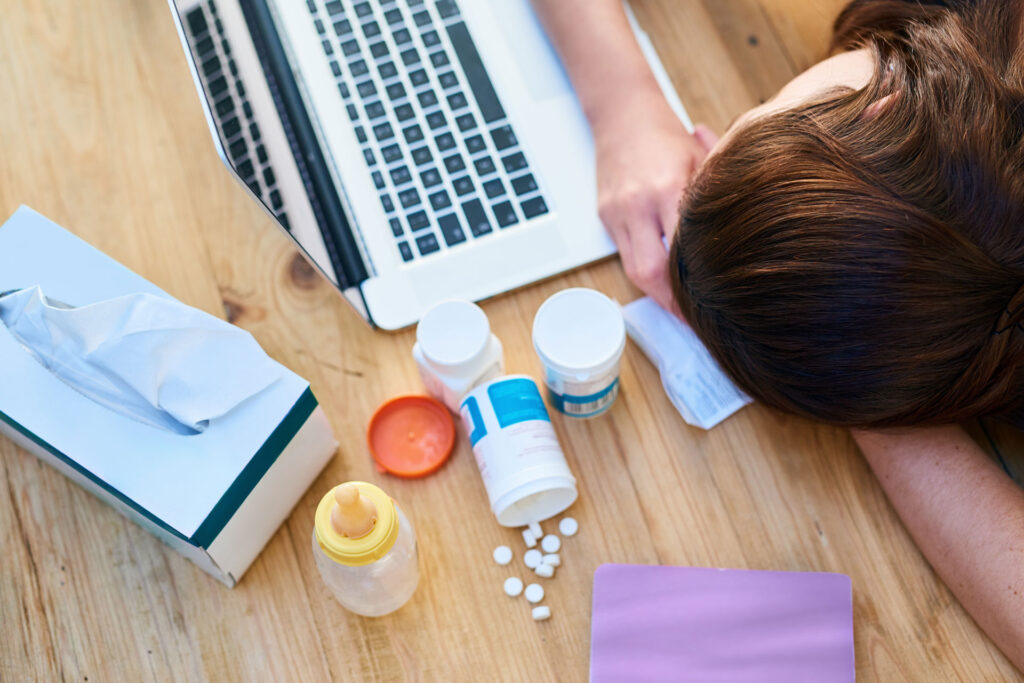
<point x="367" y="547"/>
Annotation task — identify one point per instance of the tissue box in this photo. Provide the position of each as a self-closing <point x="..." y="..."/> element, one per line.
<point x="215" y="496"/>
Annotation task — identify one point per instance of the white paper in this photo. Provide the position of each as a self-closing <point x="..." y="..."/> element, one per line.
<point x="694" y="382"/>
<point x="147" y="357"/>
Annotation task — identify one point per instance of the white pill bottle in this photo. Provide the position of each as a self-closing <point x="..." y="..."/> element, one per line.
<point x="365" y="549"/>
<point x="456" y="351"/>
<point x="517" y="451"/>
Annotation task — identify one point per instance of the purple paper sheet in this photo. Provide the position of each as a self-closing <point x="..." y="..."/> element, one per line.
<point x="720" y="625"/>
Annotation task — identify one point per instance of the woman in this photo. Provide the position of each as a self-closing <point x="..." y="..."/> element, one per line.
<point x="851" y="251"/>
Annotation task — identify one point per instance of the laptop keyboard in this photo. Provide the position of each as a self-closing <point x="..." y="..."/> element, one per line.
<point x="232" y="112"/>
<point x="434" y="135"/>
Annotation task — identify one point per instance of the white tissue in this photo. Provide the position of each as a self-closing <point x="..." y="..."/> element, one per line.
<point x="149" y="358"/>
<point x="694" y="382"/>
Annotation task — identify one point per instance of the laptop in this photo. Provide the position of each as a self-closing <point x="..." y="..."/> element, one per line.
<point x="415" y="150"/>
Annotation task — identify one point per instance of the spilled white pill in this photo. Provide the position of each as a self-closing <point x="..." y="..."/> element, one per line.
<point x="503" y="554"/>
<point x="532" y="558"/>
<point x="529" y="538"/>
<point x="568" y="526"/>
<point x="554" y="559"/>
<point x="535" y="529"/>
<point x="513" y="586"/>
<point x="534" y="592"/>
<point x="541" y="612"/>
<point x="551" y="543"/>
<point x="544" y="570"/>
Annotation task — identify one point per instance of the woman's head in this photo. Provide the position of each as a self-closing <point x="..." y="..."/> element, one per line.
<point x="849" y="250"/>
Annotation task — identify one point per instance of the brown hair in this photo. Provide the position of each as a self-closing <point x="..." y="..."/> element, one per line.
<point x="868" y="270"/>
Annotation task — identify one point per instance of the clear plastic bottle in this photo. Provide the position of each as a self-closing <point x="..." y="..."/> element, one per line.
<point x="365" y="549"/>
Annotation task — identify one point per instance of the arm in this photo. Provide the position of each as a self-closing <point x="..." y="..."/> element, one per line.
<point x="966" y="516"/>
<point x="645" y="157"/>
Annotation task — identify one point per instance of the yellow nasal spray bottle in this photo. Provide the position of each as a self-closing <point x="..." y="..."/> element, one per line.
<point x="365" y="549"/>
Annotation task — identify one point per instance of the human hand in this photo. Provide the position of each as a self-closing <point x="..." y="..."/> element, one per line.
<point x="645" y="160"/>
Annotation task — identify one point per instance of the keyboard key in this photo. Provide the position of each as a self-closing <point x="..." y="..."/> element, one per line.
<point x="197" y="21"/>
<point x="505" y="213"/>
<point x="413" y="134"/>
<point x="484" y="166"/>
<point x="430" y="177"/>
<point x="451" y="229"/>
<point x="350" y="47"/>
<point x="254" y="132"/>
<point x="385" y="201"/>
<point x="414" y="3"/>
<point x="447" y="9"/>
<point x="427" y="244"/>
<point x="366" y="88"/>
<point x="205" y="45"/>
<point x="410" y="56"/>
<point x="275" y="200"/>
<point x="418" y="220"/>
<point x="427" y="98"/>
<point x="232" y="68"/>
<point x="232" y="127"/>
<point x="448" y="80"/>
<point x="438" y="59"/>
<point x="370" y="159"/>
<point x="436" y="119"/>
<point x="421" y="155"/>
<point x="343" y="89"/>
<point x="334" y="7"/>
<point x="457" y="101"/>
<point x="494" y="188"/>
<point x="225" y="107"/>
<point x="353" y="113"/>
<point x="343" y="28"/>
<point x="238" y="149"/>
<point x="445" y="141"/>
<point x="405" y="251"/>
<point x="328" y="48"/>
<point x="476" y="217"/>
<point x="454" y="163"/>
<point x="396" y="227"/>
<point x="335" y="69"/>
<point x="534" y="207"/>
<point x="524" y="184"/>
<point x="404" y="112"/>
<point x="218" y="85"/>
<point x="504" y="137"/>
<point x="379" y="50"/>
<point x="479" y="81"/>
<point x="360" y="134"/>
<point x="409" y="198"/>
<point x="212" y="65"/>
<point x="261" y="154"/>
<point x="465" y="122"/>
<point x="358" y="68"/>
<point x="396" y="91"/>
<point x="476" y="144"/>
<point x="422" y="18"/>
<point x="440" y="200"/>
<point x="387" y="70"/>
<point x="400" y="175"/>
<point x="378" y="180"/>
<point x="363" y="9"/>
<point x="393" y="16"/>
<point x="514" y="162"/>
<point x="401" y="36"/>
<point x="391" y="153"/>
<point x="383" y="131"/>
<point x="374" y="110"/>
<point x="462" y="185"/>
<point x="419" y="77"/>
<point x="319" y="27"/>
<point x="371" y="30"/>
<point x="430" y="38"/>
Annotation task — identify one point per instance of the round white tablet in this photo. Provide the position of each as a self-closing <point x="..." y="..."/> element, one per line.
<point x="532" y="558"/>
<point x="568" y="526"/>
<point x="544" y="570"/>
<point x="551" y="543"/>
<point x="513" y="586"/>
<point x="541" y="612"/>
<point x="534" y="592"/>
<point x="503" y="554"/>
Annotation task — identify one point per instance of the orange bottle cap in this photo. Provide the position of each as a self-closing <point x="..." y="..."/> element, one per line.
<point x="411" y="436"/>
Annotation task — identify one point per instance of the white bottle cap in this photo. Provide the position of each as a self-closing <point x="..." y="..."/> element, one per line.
<point x="578" y="332"/>
<point x="453" y="334"/>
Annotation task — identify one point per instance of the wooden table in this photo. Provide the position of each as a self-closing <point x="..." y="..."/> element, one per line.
<point x="103" y="133"/>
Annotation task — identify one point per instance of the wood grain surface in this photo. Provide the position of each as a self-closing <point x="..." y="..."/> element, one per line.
<point x="103" y="133"/>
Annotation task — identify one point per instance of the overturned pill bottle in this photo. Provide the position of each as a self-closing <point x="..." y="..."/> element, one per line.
<point x="365" y="549"/>
<point x="456" y="351"/>
<point x="517" y="452"/>
<point x="579" y="336"/>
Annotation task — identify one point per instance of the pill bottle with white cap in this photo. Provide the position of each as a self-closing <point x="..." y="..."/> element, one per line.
<point x="517" y="451"/>
<point x="579" y="335"/>
<point x="456" y="351"/>
<point x="365" y="549"/>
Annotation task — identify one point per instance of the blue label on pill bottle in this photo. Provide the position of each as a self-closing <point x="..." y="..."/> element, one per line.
<point x="585" y="406"/>
<point x="517" y="400"/>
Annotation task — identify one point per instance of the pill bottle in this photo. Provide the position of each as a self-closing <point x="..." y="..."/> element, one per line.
<point x="579" y="336"/>
<point x="365" y="549"/>
<point x="456" y="351"/>
<point x="517" y="451"/>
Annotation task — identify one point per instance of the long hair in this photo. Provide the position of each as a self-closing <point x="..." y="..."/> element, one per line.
<point x="868" y="269"/>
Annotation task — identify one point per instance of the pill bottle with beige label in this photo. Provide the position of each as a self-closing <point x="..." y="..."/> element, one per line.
<point x="365" y="549"/>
